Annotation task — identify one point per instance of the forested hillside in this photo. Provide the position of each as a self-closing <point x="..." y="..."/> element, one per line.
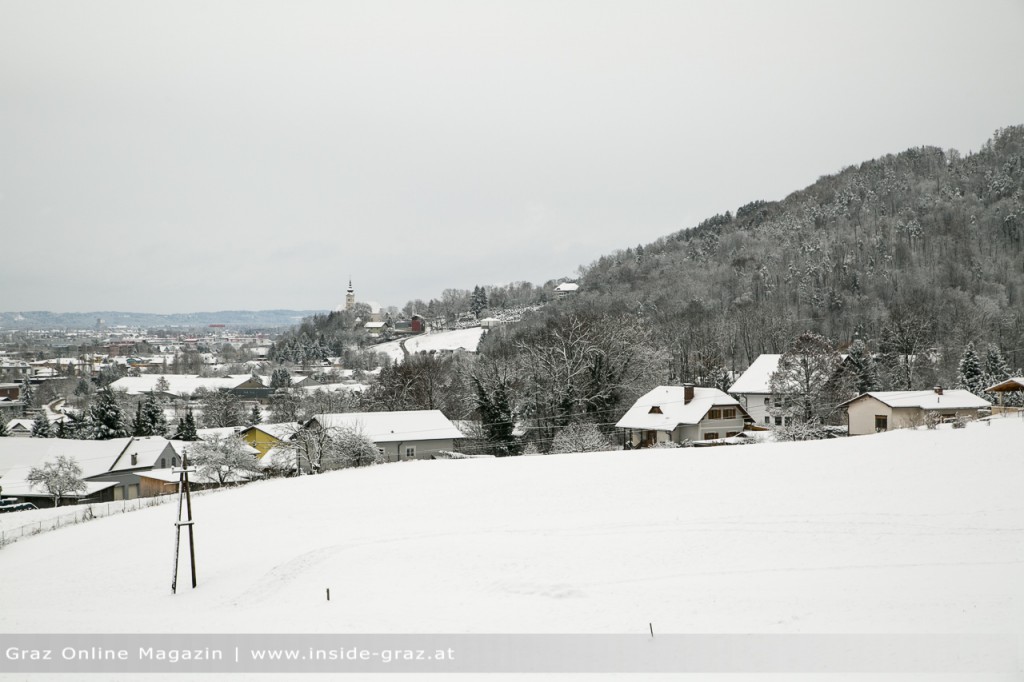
<point x="913" y="262"/>
<point x="918" y="253"/>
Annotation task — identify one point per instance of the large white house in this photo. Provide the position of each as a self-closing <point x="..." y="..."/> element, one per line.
<point x="682" y="413"/>
<point x="753" y="388"/>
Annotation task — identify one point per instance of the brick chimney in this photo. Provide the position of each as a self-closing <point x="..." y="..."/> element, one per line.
<point x="687" y="393"/>
<point x="938" y="390"/>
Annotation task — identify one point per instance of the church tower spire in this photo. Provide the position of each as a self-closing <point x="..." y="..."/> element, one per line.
<point x="350" y="296"/>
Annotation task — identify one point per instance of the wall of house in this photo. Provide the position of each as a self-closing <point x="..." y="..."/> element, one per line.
<point x="395" y="452"/>
<point x="723" y="427"/>
<point x="754" y="404"/>
<point x="151" y="487"/>
<point x="861" y="415"/>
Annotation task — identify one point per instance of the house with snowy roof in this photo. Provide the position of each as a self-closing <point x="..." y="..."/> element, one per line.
<point x="682" y="413"/>
<point x="753" y="388"/>
<point x="399" y="436"/>
<point x="20" y="428"/>
<point x="878" y="411"/>
<point x="110" y="468"/>
<point x="265" y="437"/>
<point x="566" y="288"/>
<point x="184" y="385"/>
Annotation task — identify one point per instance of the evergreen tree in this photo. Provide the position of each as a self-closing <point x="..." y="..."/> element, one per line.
<point x="76" y="425"/>
<point x="107" y="416"/>
<point x="996" y="367"/>
<point x="862" y="368"/>
<point x="280" y="378"/>
<point x="3" y="428"/>
<point x="186" y="428"/>
<point x="149" y="417"/>
<point x="970" y="374"/>
<point x="27" y="396"/>
<point x="496" y="412"/>
<point x="41" y="427"/>
<point x="478" y="301"/>
<point x="255" y="415"/>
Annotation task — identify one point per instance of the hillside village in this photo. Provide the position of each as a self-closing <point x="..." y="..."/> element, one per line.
<point x="819" y="316"/>
<point x="125" y="420"/>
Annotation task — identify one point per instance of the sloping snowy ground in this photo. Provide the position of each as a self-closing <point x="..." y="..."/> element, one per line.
<point x="908" y="531"/>
<point x="467" y="339"/>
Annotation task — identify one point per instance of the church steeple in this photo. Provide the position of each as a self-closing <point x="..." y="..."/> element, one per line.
<point x="350" y="296"/>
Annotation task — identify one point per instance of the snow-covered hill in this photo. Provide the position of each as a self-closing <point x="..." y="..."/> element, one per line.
<point x="909" y="531"/>
<point x="464" y="339"/>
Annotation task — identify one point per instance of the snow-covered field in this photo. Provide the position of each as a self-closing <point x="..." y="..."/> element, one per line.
<point x="908" y="531"/>
<point x="467" y="339"/>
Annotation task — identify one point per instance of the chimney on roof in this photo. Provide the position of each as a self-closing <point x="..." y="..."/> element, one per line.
<point x="938" y="390"/>
<point x="687" y="393"/>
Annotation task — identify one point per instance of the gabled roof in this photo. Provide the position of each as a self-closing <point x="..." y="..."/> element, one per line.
<point x="567" y="287"/>
<point x="147" y="451"/>
<point x="280" y="431"/>
<point x="665" y="408"/>
<point x="950" y="399"/>
<point x="390" y="427"/>
<point x="758" y="376"/>
<point x="178" y="384"/>
<point x="1011" y="384"/>
<point x="95" y="457"/>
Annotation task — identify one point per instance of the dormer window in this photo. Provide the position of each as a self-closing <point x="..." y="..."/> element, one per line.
<point x="655" y="410"/>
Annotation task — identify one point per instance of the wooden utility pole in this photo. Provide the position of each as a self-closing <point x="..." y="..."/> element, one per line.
<point x="184" y="493"/>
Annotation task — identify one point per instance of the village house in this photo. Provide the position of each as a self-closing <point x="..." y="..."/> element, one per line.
<point x="682" y="413"/>
<point x="753" y="389"/>
<point x="111" y="469"/>
<point x="265" y="437"/>
<point x="566" y="289"/>
<point x="879" y="411"/>
<point x="398" y="436"/>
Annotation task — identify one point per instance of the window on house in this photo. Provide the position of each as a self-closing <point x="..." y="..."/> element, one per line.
<point x="715" y="414"/>
<point x="767" y="419"/>
<point x="787" y="421"/>
<point x="881" y="422"/>
<point x="710" y="435"/>
<point x="778" y="421"/>
<point x="730" y="434"/>
<point x="767" y="401"/>
<point x="163" y="463"/>
<point x="174" y="461"/>
<point x="655" y="410"/>
<point x="729" y="413"/>
<point x="410" y="451"/>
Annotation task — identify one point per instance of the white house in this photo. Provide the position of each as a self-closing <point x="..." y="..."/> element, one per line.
<point x="883" y="410"/>
<point x="753" y="388"/>
<point x="682" y="413"/>
<point x="566" y="288"/>
<point x="399" y="436"/>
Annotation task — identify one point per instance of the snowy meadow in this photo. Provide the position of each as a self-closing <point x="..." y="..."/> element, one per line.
<point x="907" y="531"/>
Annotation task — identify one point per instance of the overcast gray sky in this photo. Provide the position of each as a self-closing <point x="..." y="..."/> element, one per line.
<point x="192" y="156"/>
